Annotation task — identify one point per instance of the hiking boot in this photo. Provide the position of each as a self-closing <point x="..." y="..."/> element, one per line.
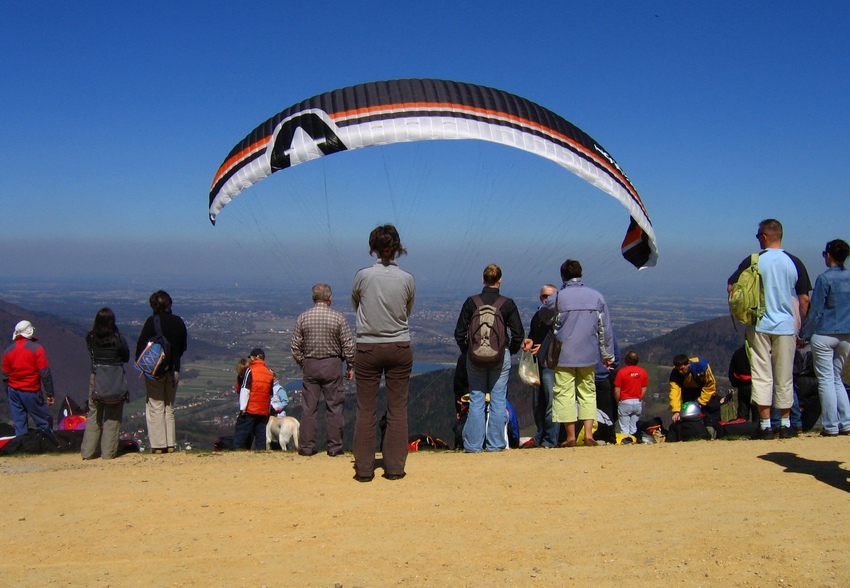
<point x="769" y="433"/>
<point x="787" y="433"/>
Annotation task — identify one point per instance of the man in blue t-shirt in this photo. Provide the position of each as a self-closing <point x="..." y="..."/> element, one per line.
<point x="773" y="340"/>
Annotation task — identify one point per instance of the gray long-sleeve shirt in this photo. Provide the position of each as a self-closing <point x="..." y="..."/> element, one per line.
<point x="382" y="296"/>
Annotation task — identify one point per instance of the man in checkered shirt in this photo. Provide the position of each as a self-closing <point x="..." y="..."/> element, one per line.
<point x="320" y="342"/>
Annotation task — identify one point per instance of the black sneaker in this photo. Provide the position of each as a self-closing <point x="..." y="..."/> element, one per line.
<point x="769" y="433"/>
<point x="787" y="433"/>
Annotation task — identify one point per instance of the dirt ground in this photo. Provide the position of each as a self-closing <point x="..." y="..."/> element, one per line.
<point x="706" y="513"/>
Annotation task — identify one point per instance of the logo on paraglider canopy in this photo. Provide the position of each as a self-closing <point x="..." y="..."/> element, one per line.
<point x="303" y="137"/>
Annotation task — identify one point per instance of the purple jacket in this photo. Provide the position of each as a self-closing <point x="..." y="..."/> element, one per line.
<point x="584" y="327"/>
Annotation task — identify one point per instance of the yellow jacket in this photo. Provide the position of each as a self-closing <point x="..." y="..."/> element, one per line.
<point x="698" y="384"/>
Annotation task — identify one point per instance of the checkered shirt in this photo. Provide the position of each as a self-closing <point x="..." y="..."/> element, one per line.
<point x="320" y="333"/>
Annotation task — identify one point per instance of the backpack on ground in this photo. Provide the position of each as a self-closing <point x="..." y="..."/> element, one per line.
<point x="746" y="298"/>
<point x="687" y="431"/>
<point x="737" y="429"/>
<point x="155" y="359"/>
<point x="487" y="334"/>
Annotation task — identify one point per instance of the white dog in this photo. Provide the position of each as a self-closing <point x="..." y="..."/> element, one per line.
<point x="284" y="429"/>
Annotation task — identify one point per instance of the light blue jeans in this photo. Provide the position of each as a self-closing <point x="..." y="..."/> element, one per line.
<point x="628" y="413"/>
<point x="547" y="431"/>
<point x="830" y="352"/>
<point x="479" y="431"/>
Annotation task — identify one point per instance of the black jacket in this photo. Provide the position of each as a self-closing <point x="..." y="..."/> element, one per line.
<point x="510" y="314"/>
<point x="116" y="352"/>
<point x="173" y="329"/>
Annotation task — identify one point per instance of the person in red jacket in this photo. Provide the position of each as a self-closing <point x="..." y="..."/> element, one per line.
<point x="254" y="401"/>
<point x="27" y="377"/>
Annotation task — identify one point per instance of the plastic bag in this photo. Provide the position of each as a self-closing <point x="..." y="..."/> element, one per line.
<point x="528" y="371"/>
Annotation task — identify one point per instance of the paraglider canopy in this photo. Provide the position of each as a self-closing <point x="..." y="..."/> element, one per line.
<point x="381" y="113"/>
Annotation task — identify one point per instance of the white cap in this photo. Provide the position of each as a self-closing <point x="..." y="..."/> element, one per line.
<point x="24" y="329"/>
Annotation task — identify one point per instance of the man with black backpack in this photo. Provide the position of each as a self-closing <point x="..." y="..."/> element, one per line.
<point x="161" y="387"/>
<point x="489" y="325"/>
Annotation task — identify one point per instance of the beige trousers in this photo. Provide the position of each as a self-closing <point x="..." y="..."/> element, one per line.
<point x="772" y="368"/>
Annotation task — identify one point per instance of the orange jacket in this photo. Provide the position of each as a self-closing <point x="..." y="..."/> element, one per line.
<point x="259" y="382"/>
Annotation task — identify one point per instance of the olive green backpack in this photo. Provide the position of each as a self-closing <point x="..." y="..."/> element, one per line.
<point x="746" y="298"/>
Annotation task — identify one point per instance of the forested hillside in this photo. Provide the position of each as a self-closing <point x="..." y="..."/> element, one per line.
<point x="714" y="340"/>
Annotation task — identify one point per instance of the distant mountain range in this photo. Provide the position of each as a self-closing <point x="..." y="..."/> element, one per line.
<point x="714" y="340"/>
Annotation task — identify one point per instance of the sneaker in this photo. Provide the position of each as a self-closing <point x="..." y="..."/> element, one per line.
<point x="787" y="433"/>
<point x="528" y="443"/>
<point x="769" y="433"/>
<point x="828" y="434"/>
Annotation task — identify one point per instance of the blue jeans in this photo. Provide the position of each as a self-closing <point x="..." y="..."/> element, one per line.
<point x="22" y="404"/>
<point x="479" y="431"/>
<point x="547" y="431"/>
<point x="796" y="415"/>
<point x="250" y="427"/>
<point x="829" y="354"/>
<point x="628" y="413"/>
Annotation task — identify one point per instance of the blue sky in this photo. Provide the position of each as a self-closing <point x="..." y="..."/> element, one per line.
<point x="115" y="116"/>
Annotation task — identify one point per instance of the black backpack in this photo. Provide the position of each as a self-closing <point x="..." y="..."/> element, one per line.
<point x="487" y="334"/>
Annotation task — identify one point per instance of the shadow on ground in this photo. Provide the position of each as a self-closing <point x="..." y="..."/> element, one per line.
<point x="828" y="472"/>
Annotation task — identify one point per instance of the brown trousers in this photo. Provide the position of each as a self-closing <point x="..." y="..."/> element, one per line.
<point x="322" y="377"/>
<point x="394" y="361"/>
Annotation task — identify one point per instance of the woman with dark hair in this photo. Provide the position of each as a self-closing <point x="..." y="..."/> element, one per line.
<point x="827" y="327"/>
<point x="382" y="296"/>
<point x="162" y="391"/>
<point x="109" y="352"/>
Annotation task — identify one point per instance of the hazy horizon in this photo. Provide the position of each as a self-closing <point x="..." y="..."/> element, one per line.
<point x="162" y="264"/>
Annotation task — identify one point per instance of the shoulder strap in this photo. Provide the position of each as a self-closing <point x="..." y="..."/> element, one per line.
<point x="500" y="301"/>
<point x="555" y="321"/>
<point x="157" y="325"/>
